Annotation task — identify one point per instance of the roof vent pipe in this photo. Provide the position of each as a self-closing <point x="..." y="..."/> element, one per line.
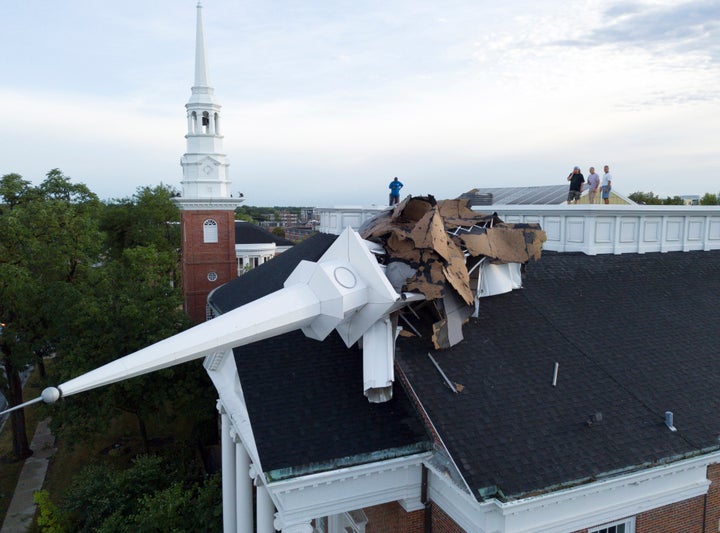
<point x="669" y="421"/>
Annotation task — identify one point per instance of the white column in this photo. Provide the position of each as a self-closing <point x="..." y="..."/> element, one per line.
<point x="265" y="510"/>
<point x="243" y="493"/>
<point x="228" y="473"/>
<point x="190" y="123"/>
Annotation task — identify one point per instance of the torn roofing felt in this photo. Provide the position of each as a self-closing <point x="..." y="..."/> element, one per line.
<point x="433" y="244"/>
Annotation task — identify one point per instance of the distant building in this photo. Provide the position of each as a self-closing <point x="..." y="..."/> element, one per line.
<point x="300" y="233"/>
<point x="255" y="245"/>
<point x="288" y="218"/>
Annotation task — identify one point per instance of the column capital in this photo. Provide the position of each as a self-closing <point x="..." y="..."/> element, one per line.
<point x="253" y="472"/>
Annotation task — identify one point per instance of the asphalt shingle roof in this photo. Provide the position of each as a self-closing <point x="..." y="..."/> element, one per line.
<point x="305" y="397"/>
<point x="249" y="233"/>
<point x="634" y="336"/>
<point x="308" y="412"/>
<point x="270" y="276"/>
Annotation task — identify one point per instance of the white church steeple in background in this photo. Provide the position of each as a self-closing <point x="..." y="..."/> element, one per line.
<point x="204" y="164"/>
<point x="207" y="209"/>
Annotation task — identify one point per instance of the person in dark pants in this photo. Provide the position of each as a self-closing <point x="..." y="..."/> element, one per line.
<point x="576" y="180"/>
<point x="395" y="186"/>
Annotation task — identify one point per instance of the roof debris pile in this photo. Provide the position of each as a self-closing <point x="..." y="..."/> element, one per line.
<point x="431" y="245"/>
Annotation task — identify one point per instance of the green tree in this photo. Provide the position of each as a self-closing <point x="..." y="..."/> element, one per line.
<point x="135" y="301"/>
<point x="149" y="217"/>
<point x="645" y="198"/>
<point x="154" y="494"/>
<point x="50" y="519"/>
<point x="179" y="509"/>
<point x="673" y="200"/>
<point x="100" y="491"/>
<point x="710" y="199"/>
<point x="48" y="247"/>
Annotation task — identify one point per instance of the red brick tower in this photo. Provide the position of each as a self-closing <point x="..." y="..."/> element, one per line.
<point x="207" y="208"/>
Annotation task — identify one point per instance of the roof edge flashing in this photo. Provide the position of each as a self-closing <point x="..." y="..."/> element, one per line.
<point x="290" y="472"/>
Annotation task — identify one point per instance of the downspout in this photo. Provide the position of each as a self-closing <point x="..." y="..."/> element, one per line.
<point x="424" y="500"/>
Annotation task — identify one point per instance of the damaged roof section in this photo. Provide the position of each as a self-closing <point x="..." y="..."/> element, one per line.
<point x="432" y="245"/>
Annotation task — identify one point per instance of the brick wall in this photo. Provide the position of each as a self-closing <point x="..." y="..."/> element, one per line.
<point x="696" y="515"/>
<point x="681" y="517"/>
<point x="200" y="258"/>
<point x="392" y="518"/>
<point x="712" y="505"/>
<point x="384" y="518"/>
<point x="442" y="523"/>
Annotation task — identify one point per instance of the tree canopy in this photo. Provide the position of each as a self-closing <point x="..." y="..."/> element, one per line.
<point x="48" y="249"/>
<point x="649" y="198"/>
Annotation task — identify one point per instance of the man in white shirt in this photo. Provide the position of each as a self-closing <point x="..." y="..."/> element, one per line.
<point x="606" y="185"/>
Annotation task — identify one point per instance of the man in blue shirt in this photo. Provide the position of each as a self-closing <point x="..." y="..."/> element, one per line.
<point x="395" y="186"/>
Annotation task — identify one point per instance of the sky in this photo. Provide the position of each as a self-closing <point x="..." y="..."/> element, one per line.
<point x="325" y="101"/>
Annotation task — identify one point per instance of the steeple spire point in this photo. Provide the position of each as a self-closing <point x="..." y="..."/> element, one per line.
<point x="201" y="75"/>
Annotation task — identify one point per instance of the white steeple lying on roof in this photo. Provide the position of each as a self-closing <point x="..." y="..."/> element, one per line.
<point x="346" y="290"/>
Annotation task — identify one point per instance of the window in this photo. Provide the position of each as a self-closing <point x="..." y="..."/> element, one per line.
<point x="212" y="276"/>
<point x="622" y="526"/>
<point x="210" y="231"/>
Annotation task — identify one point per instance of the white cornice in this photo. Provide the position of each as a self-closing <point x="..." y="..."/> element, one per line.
<point x="255" y="249"/>
<point x="207" y="204"/>
<point x="346" y="489"/>
<point x="580" y="507"/>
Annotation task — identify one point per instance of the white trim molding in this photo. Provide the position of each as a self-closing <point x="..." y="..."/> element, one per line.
<point x="208" y="204"/>
<point x="592" y="229"/>
<point x="584" y="506"/>
<point x="346" y="489"/>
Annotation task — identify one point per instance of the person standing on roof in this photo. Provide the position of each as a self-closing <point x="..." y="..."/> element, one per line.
<point x="395" y="186"/>
<point x="576" y="180"/>
<point x="593" y="182"/>
<point x="606" y="185"/>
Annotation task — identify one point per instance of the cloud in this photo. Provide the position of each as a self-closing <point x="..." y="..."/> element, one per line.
<point x="677" y="27"/>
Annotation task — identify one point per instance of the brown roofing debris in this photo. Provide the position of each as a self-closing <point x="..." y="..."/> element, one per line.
<point x="435" y="241"/>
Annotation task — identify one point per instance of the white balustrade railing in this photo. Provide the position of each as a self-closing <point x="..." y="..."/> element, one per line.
<point x="592" y="229"/>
